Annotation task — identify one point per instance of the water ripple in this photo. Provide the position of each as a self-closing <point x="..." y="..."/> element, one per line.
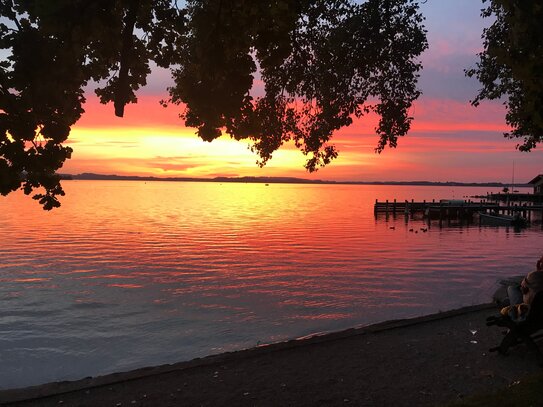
<point x="129" y="274"/>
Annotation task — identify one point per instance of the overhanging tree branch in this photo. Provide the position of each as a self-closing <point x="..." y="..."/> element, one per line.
<point x="123" y="90"/>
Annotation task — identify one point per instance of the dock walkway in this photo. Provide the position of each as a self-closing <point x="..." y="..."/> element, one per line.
<point x="453" y="209"/>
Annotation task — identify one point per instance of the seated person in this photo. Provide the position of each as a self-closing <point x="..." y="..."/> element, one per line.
<point x="515" y="292"/>
<point x="521" y="296"/>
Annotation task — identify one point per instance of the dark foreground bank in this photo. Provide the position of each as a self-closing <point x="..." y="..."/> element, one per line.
<point x="417" y="362"/>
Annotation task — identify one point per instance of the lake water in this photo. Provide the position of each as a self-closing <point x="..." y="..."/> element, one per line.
<point x="129" y="274"/>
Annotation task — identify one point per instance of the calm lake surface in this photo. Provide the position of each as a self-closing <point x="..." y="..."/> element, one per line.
<point x="128" y="274"/>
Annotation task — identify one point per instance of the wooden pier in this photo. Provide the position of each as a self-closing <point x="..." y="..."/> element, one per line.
<point x="453" y="210"/>
<point x="535" y="199"/>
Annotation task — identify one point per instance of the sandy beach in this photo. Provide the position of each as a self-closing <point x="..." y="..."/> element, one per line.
<point x="422" y="361"/>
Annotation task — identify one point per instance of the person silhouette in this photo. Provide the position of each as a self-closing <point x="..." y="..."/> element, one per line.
<point x="529" y="286"/>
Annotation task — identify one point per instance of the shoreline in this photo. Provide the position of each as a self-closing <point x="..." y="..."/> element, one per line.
<point x="52" y="393"/>
<point x="282" y="180"/>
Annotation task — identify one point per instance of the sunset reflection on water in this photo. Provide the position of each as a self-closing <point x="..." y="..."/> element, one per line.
<point x="128" y="274"/>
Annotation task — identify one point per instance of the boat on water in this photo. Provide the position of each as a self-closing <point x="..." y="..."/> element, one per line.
<point x="496" y="219"/>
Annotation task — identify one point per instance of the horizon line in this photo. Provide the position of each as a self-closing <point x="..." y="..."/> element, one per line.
<point x="286" y="180"/>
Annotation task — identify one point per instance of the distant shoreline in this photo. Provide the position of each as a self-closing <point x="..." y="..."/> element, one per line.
<point x="279" y="180"/>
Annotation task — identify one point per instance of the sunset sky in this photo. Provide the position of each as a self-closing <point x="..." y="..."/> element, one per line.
<point x="449" y="141"/>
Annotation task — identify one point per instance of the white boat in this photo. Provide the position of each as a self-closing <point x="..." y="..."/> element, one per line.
<point x="496" y="219"/>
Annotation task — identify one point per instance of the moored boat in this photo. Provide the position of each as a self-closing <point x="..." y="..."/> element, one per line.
<point x="496" y="219"/>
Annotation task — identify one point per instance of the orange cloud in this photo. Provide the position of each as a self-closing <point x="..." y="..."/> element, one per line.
<point x="449" y="140"/>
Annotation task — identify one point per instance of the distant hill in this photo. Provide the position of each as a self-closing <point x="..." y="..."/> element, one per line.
<point x="280" y="180"/>
<point x="285" y="180"/>
<point x="107" y="177"/>
<point x="270" y="180"/>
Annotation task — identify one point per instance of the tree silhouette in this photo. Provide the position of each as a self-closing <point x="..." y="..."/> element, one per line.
<point x="322" y="62"/>
<point x="511" y="66"/>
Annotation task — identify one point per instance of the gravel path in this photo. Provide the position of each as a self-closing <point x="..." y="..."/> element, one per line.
<point x="417" y="362"/>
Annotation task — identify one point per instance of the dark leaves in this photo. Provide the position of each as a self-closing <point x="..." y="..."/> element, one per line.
<point x="511" y="67"/>
<point x="321" y="63"/>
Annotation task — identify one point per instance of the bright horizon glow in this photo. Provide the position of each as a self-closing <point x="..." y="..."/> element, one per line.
<point x="449" y="140"/>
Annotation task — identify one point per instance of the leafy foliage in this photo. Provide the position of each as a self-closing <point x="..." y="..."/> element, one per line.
<point x="54" y="48"/>
<point x="322" y="62"/>
<point x="511" y="66"/>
